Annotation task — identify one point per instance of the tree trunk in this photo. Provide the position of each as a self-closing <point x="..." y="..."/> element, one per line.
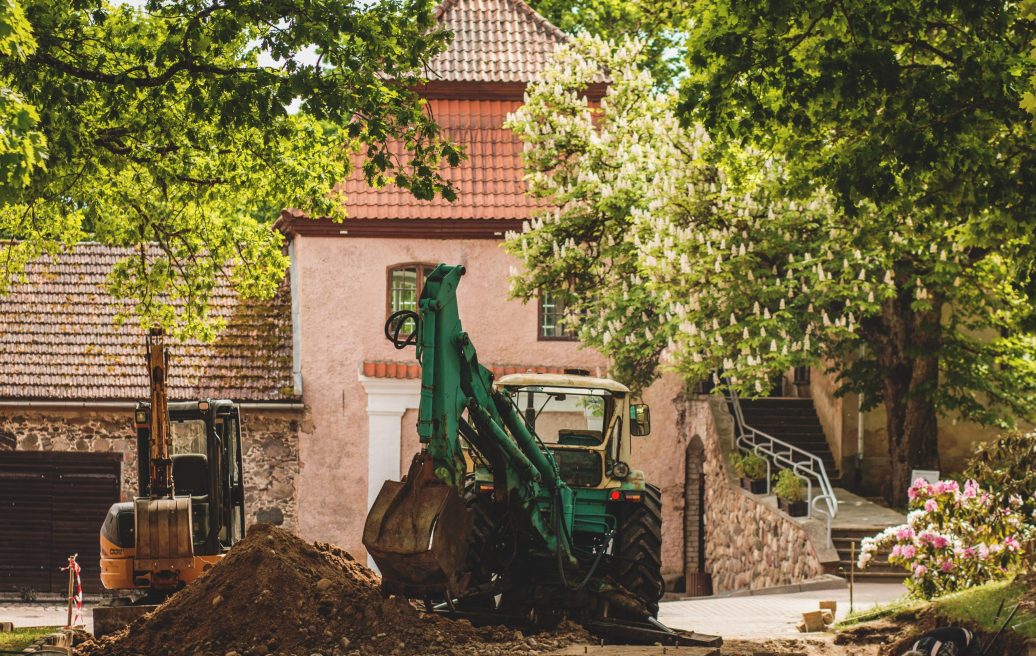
<point x="907" y="352"/>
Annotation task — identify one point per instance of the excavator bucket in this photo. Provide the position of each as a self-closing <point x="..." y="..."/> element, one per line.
<point x="164" y="535"/>
<point x="417" y="532"/>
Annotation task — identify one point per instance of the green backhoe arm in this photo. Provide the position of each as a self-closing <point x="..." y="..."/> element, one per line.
<point x="453" y="381"/>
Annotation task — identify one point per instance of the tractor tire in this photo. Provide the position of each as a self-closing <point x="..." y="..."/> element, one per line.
<point x="637" y="550"/>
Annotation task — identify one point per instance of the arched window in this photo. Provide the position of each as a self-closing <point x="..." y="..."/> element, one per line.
<point x="405" y="282"/>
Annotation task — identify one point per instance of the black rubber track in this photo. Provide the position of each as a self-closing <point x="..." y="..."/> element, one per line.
<point x="637" y="549"/>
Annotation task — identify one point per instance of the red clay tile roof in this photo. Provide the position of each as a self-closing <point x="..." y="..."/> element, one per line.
<point x="58" y="341"/>
<point x="494" y="41"/>
<point x="411" y="370"/>
<point x="489" y="182"/>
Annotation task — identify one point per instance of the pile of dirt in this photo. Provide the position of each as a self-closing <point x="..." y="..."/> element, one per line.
<point x="814" y="646"/>
<point x="275" y="594"/>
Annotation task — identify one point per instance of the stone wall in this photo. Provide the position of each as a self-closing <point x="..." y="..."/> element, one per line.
<point x="749" y="543"/>
<point x="270" y="452"/>
<point x="269" y="443"/>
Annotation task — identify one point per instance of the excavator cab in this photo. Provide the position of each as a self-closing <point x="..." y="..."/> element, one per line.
<point x="205" y="450"/>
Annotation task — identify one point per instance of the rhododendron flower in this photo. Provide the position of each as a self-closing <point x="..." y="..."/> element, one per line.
<point x="920" y="486"/>
<point x="908" y="551"/>
<point x="920" y="571"/>
<point x="931" y="505"/>
<point x="1012" y="543"/>
<point x="970" y="489"/>
<point x="905" y="533"/>
<point x="946" y="566"/>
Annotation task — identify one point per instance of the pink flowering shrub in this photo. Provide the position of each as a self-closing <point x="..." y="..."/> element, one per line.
<point x="955" y="538"/>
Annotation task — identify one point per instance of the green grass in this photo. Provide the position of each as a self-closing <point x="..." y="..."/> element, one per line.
<point x="980" y="605"/>
<point x="21" y="638"/>
<point x="879" y="611"/>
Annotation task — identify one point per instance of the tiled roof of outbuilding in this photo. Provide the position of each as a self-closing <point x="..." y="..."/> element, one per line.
<point x="494" y="41"/>
<point x="58" y="341"/>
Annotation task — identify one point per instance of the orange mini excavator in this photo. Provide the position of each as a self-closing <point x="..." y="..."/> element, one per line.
<point x="190" y="506"/>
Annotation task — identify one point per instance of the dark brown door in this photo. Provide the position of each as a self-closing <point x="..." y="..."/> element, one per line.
<point x="52" y="504"/>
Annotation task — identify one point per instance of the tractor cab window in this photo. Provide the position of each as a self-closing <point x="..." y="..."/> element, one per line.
<point x="565" y="416"/>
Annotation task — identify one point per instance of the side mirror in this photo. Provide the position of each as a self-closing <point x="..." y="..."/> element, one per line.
<point x="640" y="419"/>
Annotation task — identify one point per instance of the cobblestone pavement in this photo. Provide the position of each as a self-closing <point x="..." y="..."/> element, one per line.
<point x="768" y="616"/>
<point x="41" y="614"/>
<point x="763" y="616"/>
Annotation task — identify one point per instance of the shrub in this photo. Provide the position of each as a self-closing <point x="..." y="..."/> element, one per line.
<point x="752" y="466"/>
<point x="1006" y="467"/>
<point x="734" y="458"/>
<point x="956" y="537"/>
<point x="790" y="487"/>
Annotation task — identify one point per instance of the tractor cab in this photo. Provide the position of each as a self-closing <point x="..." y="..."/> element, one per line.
<point x="585" y="422"/>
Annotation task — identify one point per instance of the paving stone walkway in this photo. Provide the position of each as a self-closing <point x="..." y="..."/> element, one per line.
<point x="768" y="616"/>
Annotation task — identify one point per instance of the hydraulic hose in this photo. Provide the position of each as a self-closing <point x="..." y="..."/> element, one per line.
<point x="562" y="533"/>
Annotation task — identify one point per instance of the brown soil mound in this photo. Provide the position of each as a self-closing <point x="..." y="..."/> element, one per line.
<point x="275" y="594"/>
<point x="815" y="646"/>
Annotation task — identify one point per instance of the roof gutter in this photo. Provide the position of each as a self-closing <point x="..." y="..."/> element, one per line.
<point x="129" y="405"/>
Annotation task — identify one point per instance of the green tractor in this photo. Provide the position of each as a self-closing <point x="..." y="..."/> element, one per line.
<point x="523" y="505"/>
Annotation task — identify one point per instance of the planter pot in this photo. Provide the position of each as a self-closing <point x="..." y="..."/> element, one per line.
<point x="754" y="485"/>
<point x="793" y="508"/>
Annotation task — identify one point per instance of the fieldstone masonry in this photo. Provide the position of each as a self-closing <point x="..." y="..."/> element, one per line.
<point x="269" y="442"/>
<point x="749" y="544"/>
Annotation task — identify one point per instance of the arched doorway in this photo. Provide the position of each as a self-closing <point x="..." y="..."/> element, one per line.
<point x="699" y="582"/>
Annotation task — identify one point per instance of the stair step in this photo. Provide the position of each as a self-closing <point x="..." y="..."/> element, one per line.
<point x="777" y="400"/>
<point x="855" y="533"/>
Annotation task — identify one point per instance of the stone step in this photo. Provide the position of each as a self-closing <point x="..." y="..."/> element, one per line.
<point x="795" y="435"/>
<point x="855" y="533"/>
<point x="873" y="572"/>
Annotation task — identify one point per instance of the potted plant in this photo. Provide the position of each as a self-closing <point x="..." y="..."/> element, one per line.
<point x="751" y="469"/>
<point x="791" y="493"/>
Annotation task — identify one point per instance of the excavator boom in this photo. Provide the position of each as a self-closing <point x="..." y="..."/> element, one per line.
<point x="163" y="521"/>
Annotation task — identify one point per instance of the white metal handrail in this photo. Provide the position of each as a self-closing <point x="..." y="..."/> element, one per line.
<point x="808" y="465"/>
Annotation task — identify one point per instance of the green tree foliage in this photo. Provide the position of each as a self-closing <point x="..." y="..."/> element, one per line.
<point x="661" y="26"/>
<point x="163" y="125"/>
<point x="1027" y="12"/>
<point x="21" y="145"/>
<point x="722" y="256"/>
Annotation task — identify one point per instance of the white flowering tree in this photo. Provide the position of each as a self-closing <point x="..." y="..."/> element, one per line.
<point x="668" y="246"/>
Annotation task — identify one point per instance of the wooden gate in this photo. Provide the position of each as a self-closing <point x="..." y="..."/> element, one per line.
<point x="52" y="504"/>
